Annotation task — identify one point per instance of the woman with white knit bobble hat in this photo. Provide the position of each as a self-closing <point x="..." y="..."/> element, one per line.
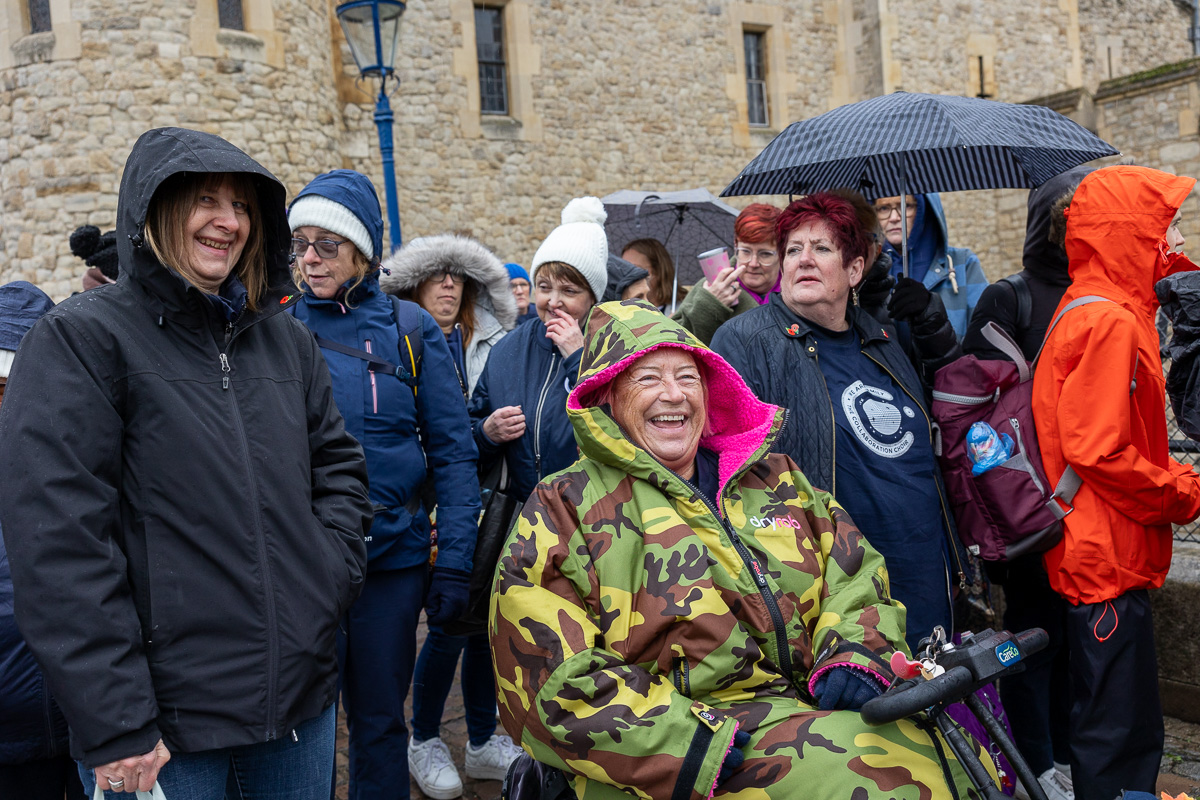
<point x="519" y="406"/>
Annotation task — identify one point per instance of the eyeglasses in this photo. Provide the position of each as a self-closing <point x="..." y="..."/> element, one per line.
<point x="885" y="212"/>
<point x="441" y="277"/>
<point x="326" y="248"/>
<point x="764" y="256"/>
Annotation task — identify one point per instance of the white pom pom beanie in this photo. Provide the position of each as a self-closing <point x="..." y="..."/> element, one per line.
<point x="580" y="242"/>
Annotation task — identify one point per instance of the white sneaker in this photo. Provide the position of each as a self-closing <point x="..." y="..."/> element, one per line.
<point x="430" y="765"/>
<point x="1056" y="785"/>
<point x="490" y="762"/>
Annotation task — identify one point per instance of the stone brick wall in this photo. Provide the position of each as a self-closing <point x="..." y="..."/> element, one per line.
<point x="66" y="127"/>
<point x="1121" y="38"/>
<point x="1030" y="47"/>
<point x="1152" y="117"/>
<point x="643" y="94"/>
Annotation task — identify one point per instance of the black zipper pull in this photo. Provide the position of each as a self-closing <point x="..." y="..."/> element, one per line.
<point x="225" y="369"/>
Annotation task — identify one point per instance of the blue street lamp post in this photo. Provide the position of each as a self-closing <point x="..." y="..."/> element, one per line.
<point x="372" y="29"/>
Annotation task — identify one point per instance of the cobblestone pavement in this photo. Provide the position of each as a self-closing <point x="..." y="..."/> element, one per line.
<point x="1180" y="771"/>
<point x="454" y="734"/>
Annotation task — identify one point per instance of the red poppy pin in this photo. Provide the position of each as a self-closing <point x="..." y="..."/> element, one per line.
<point x="884" y="332"/>
<point x="283" y="301"/>
<point x="793" y="330"/>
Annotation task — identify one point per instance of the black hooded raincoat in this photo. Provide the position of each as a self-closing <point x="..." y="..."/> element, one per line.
<point x="182" y="506"/>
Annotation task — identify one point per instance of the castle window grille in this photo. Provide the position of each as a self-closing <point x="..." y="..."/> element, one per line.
<point x="489" y="51"/>
<point x="39" y="16"/>
<point x="231" y="15"/>
<point x="756" y="78"/>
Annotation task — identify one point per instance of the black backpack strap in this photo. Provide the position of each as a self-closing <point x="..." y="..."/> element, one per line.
<point x="374" y="363"/>
<point x="1020" y="288"/>
<point x="412" y="343"/>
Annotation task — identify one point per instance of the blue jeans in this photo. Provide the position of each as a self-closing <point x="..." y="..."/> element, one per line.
<point x="284" y="769"/>
<point x="377" y="646"/>
<point x="435" y="675"/>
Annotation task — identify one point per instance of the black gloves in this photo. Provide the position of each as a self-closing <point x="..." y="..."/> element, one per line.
<point x="873" y="291"/>
<point x="735" y="756"/>
<point x="449" y="595"/>
<point x="909" y="300"/>
<point x="844" y="688"/>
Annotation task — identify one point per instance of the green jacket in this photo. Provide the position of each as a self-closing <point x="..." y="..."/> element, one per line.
<point x="635" y="627"/>
<point x="702" y="313"/>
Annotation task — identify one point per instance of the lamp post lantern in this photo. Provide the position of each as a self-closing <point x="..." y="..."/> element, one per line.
<point x="372" y="29"/>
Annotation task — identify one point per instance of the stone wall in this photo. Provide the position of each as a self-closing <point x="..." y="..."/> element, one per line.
<point x="643" y="94"/>
<point x="1152" y="117"/>
<point x="66" y="126"/>
<point x="1026" y="47"/>
<point x="1121" y="38"/>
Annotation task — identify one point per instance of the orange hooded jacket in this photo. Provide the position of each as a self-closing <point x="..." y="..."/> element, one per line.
<point x="1118" y="538"/>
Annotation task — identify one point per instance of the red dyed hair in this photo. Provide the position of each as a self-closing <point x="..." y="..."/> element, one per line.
<point x="836" y="212"/>
<point x="756" y="224"/>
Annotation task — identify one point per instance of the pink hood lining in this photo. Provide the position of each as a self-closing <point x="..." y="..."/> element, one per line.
<point x="739" y="421"/>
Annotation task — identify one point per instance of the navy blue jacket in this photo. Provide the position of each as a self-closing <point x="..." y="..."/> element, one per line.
<point x="381" y="414"/>
<point x="31" y="726"/>
<point x="525" y="369"/>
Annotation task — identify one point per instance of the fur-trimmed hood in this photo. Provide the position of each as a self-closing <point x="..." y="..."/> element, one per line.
<point x="429" y="255"/>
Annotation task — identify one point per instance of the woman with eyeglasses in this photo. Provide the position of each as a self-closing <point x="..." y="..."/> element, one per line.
<point x="747" y="284"/>
<point x="467" y="291"/>
<point x="393" y="376"/>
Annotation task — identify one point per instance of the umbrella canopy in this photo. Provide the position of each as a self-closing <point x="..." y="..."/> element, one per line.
<point x="688" y="222"/>
<point x="904" y="143"/>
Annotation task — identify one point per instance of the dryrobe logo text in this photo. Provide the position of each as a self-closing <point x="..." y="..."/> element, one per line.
<point x="775" y="522"/>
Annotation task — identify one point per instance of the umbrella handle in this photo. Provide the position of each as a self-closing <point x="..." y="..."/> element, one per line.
<point x="637" y="212"/>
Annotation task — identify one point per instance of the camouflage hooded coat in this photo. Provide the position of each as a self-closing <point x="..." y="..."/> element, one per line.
<point x="635" y="627"/>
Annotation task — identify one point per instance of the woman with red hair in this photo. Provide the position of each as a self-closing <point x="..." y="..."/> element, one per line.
<point x="749" y="283"/>
<point x="859" y="425"/>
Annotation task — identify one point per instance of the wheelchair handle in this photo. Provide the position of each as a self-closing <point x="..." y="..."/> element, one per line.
<point x="908" y="698"/>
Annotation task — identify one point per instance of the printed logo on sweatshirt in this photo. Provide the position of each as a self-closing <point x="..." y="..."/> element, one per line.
<point x="876" y="420"/>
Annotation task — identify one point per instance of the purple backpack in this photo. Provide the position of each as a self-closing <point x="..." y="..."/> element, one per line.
<point x="1011" y="509"/>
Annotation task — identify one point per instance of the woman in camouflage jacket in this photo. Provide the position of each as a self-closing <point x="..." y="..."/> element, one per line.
<point x="660" y="616"/>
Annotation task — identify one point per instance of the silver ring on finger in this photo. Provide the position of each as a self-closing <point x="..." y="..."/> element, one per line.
<point x="116" y="785"/>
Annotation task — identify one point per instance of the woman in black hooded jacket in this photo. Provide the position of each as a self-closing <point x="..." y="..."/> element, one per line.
<point x="183" y="509"/>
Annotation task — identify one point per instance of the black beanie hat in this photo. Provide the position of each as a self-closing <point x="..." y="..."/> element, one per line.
<point x="95" y="249"/>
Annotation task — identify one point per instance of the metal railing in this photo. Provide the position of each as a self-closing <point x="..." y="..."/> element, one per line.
<point x="1185" y="451"/>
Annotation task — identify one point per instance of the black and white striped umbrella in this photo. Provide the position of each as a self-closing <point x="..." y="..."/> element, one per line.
<point x="904" y="143"/>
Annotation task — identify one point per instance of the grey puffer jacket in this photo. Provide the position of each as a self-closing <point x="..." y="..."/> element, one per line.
<point x="495" y="309"/>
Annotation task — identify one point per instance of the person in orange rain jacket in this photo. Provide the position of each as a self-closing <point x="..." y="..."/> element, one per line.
<point x="1098" y="402"/>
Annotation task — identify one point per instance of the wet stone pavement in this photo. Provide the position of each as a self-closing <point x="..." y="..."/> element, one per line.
<point x="1180" y="770"/>
<point x="454" y="734"/>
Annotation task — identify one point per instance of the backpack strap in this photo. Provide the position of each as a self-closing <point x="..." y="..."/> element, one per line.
<point x="407" y="317"/>
<point x="1068" y="485"/>
<point x="1020" y="288"/>
<point x="1000" y="340"/>
<point x="412" y="344"/>
<point x="374" y="363"/>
